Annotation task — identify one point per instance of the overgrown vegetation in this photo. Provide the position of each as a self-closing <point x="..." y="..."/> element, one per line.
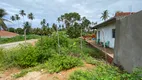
<point x="48" y="55"/>
<point x="18" y="38"/>
<point x="105" y="71"/>
<point x="62" y="62"/>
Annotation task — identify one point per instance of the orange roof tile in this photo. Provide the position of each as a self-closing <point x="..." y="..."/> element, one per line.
<point x="123" y="14"/>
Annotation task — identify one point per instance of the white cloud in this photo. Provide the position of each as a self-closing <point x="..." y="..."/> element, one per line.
<point x="51" y="9"/>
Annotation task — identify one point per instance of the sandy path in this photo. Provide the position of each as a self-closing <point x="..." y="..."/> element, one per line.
<point x="14" y="44"/>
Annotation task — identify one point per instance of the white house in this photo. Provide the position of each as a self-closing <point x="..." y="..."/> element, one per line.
<point x="106" y="29"/>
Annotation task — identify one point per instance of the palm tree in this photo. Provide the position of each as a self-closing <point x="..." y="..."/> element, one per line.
<point x="31" y="17"/>
<point x="59" y="19"/>
<point x="12" y="18"/>
<point x="44" y="21"/>
<point x="27" y="26"/>
<point x="22" y="13"/>
<point x="47" y="24"/>
<point x="105" y="15"/>
<point x="2" y="14"/>
<point x="17" y="18"/>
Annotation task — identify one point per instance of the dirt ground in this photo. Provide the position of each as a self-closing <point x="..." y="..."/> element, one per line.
<point x="38" y="75"/>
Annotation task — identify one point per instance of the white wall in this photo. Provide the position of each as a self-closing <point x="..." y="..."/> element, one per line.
<point x="107" y="30"/>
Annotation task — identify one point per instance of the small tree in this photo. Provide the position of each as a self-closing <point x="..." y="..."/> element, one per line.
<point x="27" y="26"/>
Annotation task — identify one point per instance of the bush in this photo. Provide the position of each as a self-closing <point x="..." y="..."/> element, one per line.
<point x="62" y="62"/>
<point x="52" y="41"/>
<point x="23" y="56"/>
<point x="82" y="75"/>
<point x="26" y="56"/>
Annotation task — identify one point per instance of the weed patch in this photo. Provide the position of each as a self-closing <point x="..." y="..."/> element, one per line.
<point x="62" y="62"/>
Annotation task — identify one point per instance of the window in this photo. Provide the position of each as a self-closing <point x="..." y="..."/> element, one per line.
<point x="113" y="33"/>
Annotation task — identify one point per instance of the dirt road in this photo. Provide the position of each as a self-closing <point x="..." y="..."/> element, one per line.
<point x="14" y="44"/>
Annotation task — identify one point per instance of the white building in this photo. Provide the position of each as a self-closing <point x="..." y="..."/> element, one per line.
<point x="106" y="29"/>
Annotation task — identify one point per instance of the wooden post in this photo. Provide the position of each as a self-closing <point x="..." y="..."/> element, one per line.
<point x="25" y="34"/>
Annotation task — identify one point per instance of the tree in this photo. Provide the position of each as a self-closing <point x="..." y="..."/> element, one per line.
<point x="27" y="26"/>
<point x="47" y="24"/>
<point x="19" y="31"/>
<point x="17" y="18"/>
<point x="11" y="29"/>
<point x="85" y="23"/>
<point x="54" y="27"/>
<point x="31" y="17"/>
<point x="43" y="22"/>
<point x="2" y="14"/>
<point x="69" y="18"/>
<point x="22" y="13"/>
<point x="12" y="18"/>
<point x="105" y="15"/>
<point x="74" y="31"/>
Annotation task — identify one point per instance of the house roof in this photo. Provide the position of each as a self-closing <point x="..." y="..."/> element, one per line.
<point x="113" y="19"/>
<point x="7" y="34"/>
<point x="123" y="14"/>
<point x="109" y="21"/>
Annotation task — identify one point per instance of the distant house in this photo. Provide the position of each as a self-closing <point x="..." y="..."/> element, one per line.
<point x="106" y="29"/>
<point x="6" y="34"/>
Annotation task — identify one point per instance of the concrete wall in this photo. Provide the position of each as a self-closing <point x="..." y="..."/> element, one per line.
<point x="128" y="43"/>
<point x="107" y="30"/>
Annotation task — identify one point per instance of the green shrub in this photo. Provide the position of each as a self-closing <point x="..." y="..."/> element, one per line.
<point x="82" y="75"/>
<point x="22" y="55"/>
<point x="27" y="56"/>
<point x="62" y="62"/>
<point x="52" y="41"/>
<point x="90" y="60"/>
<point x="44" y="55"/>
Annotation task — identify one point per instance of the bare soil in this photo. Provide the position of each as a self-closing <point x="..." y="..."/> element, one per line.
<point x="38" y="75"/>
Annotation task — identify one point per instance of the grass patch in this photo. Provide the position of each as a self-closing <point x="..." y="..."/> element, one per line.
<point x="105" y="71"/>
<point x="82" y="75"/>
<point x="18" y="38"/>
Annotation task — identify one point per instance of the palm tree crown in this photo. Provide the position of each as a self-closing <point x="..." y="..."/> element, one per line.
<point x="17" y="17"/>
<point x="30" y="16"/>
<point x="105" y="15"/>
<point x="22" y="13"/>
<point x="2" y="14"/>
<point x="12" y="18"/>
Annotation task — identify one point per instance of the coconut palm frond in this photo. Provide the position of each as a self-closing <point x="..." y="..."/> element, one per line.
<point x="7" y="20"/>
<point x="2" y="24"/>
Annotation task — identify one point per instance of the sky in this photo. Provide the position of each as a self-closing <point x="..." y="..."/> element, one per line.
<point x="52" y="9"/>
